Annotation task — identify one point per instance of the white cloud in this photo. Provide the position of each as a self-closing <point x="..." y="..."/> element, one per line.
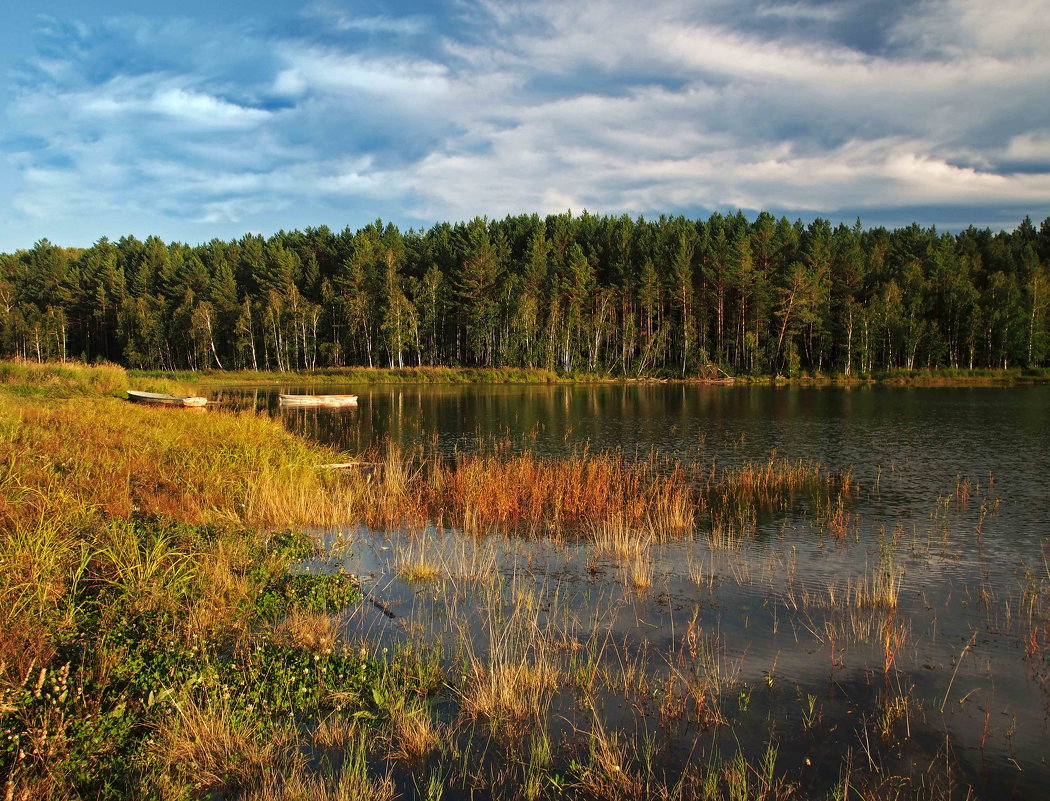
<point x="342" y="20"/>
<point x="324" y="70"/>
<point x="1033" y="146"/>
<point x="201" y="109"/>
<point x="157" y="95"/>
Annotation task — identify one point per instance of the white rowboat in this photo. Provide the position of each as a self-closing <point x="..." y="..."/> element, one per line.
<point x="317" y="400"/>
<point x="160" y="399"/>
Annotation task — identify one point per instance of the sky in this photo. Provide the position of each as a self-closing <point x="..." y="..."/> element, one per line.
<point x="213" y="118"/>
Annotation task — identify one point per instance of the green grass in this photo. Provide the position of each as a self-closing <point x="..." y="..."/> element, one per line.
<point x="61" y="380"/>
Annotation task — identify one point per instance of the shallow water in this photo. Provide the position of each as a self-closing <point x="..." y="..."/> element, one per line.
<point x="953" y="496"/>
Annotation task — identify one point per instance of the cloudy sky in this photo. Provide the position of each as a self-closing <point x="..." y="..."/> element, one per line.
<point x="203" y="118"/>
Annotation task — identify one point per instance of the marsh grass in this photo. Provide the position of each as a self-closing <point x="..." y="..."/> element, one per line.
<point x="876" y="589"/>
<point x="210" y="747"/>
<point x="510" y="682"/>
<point x="510" y="686"/>
<point x="609" y="771"/>
<point x="104" y="457"/>
<point x="62" y="380"/>
<point x="639" y="572"/>
<point x="140" y="556"/>
<point x="603" y="496"/>
<point x="414" y="562"/>
<point x="613" y="538"/>
<point x="311" y="631"/>
<point x="411" y="731"/>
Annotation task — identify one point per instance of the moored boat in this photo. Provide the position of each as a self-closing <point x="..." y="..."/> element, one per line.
<point x="316" y="400"/>
<point x="160" y="399"/>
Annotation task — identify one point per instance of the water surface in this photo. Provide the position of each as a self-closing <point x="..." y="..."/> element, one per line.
<point x="953" y="496"/>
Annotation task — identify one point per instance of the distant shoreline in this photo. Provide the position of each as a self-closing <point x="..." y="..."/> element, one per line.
<point x="467" y="375"/>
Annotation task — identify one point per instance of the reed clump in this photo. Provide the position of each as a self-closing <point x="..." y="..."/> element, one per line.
<point x="512" y="683"/>
<point x="411" y="732"/>
<point x="414" y="563"/>
<point x="615" y="539"/>
<point x="493" y="491"/>
<point x="878" y="590"/>
<point x="508" y="687"/>
<point x="599" y="496"/>
<point x="738" y="494"/>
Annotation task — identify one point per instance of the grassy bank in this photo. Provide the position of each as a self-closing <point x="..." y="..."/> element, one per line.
<point x="376" y="375"/>
<point x="149" y="628"/>
<point x="466" y="375"/>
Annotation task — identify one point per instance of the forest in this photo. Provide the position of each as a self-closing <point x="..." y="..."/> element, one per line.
<point x="629" y="297"/>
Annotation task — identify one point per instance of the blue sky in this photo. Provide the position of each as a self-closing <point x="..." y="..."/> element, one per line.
<point x="197" y="119"/>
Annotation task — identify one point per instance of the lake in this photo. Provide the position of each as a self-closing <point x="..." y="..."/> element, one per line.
<point x="907" y="641"/>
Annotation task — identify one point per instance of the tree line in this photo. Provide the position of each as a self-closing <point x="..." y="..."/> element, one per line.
<point x="669" y="296"/>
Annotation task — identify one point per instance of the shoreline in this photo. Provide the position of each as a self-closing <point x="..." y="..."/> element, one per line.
<point x="456" y="375"/>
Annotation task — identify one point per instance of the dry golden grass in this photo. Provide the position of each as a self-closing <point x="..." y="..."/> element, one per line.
<point x="879" y="589"/>
<point x="256" y="771"/>
<point x="484" y="492"/>
<point x="335" y="731"/>
<point x="224" y="590"/>
<point x="310" y="631"/>
<point x="609" y="773"/>
<point x="514" y="680"/>
<point x="206" y="747"/>
<point x="508" y="691"/>
<point x="639" y="572"/>
<point x="78" y="468"/>
<point x="413" y="562"/>
<point x="124" y="461"/>
<point x="56" y="379"/>
<point x="613" y="538"/>
<point x="411" y="732"/>
<point x="348" y="785"/>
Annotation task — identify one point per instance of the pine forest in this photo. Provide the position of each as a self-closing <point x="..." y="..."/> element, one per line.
<point x="670" y="297"/>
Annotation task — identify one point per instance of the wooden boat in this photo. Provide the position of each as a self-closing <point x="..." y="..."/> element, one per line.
<point x="159" y="399"/>
<point x="316" y="400"/>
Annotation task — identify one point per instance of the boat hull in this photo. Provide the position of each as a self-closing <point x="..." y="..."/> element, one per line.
<point x="317" y="400"/>
<point x="160" y="399"/>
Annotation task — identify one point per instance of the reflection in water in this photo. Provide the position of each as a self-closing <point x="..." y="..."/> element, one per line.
<point x="953" y="507"/>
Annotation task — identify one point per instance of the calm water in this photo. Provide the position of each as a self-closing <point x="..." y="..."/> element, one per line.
<point x="919" y="439"/>
<point x="954" y="490"/>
